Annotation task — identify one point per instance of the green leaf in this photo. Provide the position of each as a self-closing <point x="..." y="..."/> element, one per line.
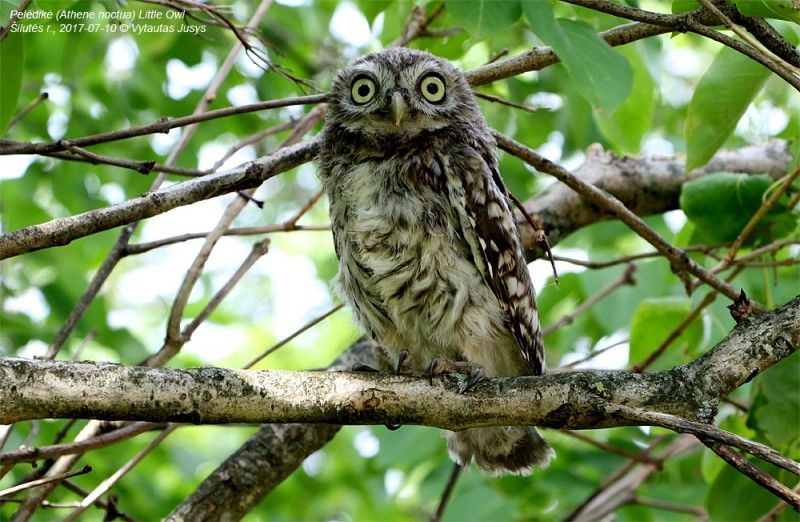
<point x="482" y="18"/>
<point x="684" y="6"/>
<point x="626" y="125"/>
<point x="733" y="496"/>
<point x="723" y="94"/>
<point x="780" y="9"/>
<point x="721" y="204"/>
<point x="605" y="76"/>
<point x="775" y="411"/>
<point x="372" y="8"/>
<point x="653" y="321"/>
<point x="12" y="59"/>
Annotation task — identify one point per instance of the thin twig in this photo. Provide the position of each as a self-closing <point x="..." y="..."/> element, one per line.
<point x="28" y="454"/>
<point x="617" y="489"/>
<point x="140" y="248"/>
<point x="755" y="474"/>
<point x="594" y="354"/>
<point x="291" y="336"/>
<point x="707" y="249"/>
<point x="161" y="126"/>
<point x="682" y="326"/>
<point x="447" y="493"/>
<point x="41" y="482"/>
<point x="6" y="28"/>
<point x="697" y="511"/>
<point x="690" y="22"/>
<point x="747" y="38"/>
<point x="110" y="506"/>
<point x="760" y="213"/>
<point x="641" y="457"/>
<point x="681" y="262"/>
<point x="503" y="101"/>
<point x="625" y="279"/>
<point x="259" y="249"/>
<point x="104" y="486"/>
<point x="707" y="433"/>
<point x="28" y="108"/>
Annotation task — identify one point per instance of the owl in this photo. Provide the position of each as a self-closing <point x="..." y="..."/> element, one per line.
<point x="430" y="259"/>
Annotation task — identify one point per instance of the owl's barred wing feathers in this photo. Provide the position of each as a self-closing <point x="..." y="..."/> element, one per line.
<point x="479" y="196"/>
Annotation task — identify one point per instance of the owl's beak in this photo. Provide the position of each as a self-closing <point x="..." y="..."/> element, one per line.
<point x="399" y="107"/>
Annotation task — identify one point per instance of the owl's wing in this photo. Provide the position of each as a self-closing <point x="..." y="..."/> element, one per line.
<point x="480" y="198"/>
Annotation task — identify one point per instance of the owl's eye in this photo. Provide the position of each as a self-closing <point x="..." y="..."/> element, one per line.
<point x="363" y="89"/>
<point x="432" y="88"/>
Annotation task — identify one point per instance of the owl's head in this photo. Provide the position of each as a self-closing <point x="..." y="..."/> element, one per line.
<point x="400" y="92"/>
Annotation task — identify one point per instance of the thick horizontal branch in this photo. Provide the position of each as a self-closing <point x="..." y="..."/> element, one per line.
<point x="646" y="186"/>
<point x="31" y="389"/>
<point x="64" y="230"/>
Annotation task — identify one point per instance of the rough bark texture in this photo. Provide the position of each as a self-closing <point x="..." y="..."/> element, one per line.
<point x="55" y="389"/>
<point x="62" y="231"/>
<point x="250" y="473"/>
<point x="647" y="186"/>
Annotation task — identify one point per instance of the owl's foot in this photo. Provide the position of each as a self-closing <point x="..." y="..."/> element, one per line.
<point x="403" y="359"/>
<point x="475" y="377"/>
<point x="443" y="365"/>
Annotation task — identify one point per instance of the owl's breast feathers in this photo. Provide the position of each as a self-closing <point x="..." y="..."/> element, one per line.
<point x="413" y="264"/>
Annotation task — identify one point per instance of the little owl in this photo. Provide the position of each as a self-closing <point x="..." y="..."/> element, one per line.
<point x="430" y="256"/>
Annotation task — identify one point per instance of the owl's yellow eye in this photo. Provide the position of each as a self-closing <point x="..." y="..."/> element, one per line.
<point x="363" y="89"/>
<point x="432" y="88"/>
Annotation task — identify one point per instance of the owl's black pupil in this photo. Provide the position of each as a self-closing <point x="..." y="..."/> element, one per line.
<point x="363" y="90"/>
<point x="432" y="88"/>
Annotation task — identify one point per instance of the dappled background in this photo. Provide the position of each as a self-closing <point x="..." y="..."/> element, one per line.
<point x="98" y="82"/>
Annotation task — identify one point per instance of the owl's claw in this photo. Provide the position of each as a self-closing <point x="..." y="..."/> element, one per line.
<point x="402" y="359"/>
<point x="475" y="377"/>
<point x="442" y="365"/>
<point x="432" y="370"/>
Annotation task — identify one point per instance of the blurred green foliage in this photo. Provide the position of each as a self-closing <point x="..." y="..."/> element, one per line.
<point x="633" y="100"/>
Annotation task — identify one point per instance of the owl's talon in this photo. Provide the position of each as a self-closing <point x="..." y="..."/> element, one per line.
<point x="432" y="367"/>
<point x="475" y="377"/>
<point x="402" y="358"/>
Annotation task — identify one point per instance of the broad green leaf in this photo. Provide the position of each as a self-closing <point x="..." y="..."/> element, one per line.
<point x="710" y="465"/>
<point x="605" y="76"/>
<point x="733" y="496"/>
<point x="775" y="412"/>
<point x="12" y="59"/>
<point x="780" y="9"/>
<point x="721" y="97"/>
<point x="684" y="6"/>
<point x="484" y="17"/>
<point x="626" y="125"/>
<point x="372" y="8"/>
<point x="653" y="321"/>
<point x="721" y="204"/>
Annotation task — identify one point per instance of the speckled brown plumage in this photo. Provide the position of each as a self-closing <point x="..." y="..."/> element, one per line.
<point x="430" y="256"/>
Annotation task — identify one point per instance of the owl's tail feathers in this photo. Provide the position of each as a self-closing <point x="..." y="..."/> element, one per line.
<point x="510" y="450"/>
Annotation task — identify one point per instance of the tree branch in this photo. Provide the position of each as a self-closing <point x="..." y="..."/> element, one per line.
<point x="63" y="231"/>
<point x="576" y="400"/>
<point x="564" y="211"/>
<point x="667" y="175"/>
